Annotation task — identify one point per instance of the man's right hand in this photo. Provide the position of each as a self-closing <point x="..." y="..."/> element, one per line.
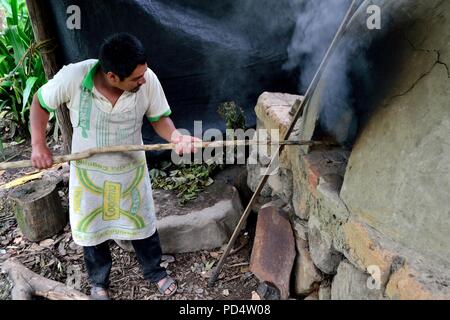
<point x="41" y="156"/>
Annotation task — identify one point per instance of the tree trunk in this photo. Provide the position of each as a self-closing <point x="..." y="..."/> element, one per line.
<point x="44" y="30"/>
<point x="39" y="212"/>
<point x="27" y="284"/>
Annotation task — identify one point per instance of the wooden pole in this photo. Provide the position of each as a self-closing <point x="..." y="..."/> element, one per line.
<point x="43" y="30"/>
<point x="151" y="147"/>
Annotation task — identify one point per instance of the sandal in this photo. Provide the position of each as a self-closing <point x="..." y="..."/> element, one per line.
<point x="99" y="293"/>
<point x="169" y="281"/>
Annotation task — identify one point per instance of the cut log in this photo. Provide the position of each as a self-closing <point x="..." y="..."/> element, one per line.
<point x="27" y="284"/>
<point x="39" y="212"/>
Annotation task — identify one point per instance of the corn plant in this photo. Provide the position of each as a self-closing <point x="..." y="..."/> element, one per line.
<point x="21" y="70"/>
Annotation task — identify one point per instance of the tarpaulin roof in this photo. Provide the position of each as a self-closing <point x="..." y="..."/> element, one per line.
<point x="204" y="52"/>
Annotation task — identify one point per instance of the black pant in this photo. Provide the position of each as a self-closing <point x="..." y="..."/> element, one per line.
<point x="148" y="251"/>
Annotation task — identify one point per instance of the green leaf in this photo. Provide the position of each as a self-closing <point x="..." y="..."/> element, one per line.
<point x="12" y="33"/>
<point x="14" y="11"/>
<point x="28" y="87"/>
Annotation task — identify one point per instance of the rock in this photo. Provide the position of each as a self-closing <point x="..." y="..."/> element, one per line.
<point x="273" y="251"/>
<point x="307" y="276"/>
<point x="272" y="109"/>
<point x="351" y="283"/>
<point x="204" y="224"/>
<point x="62" y="251"/>
<point x="300" y="229"/>
<point x="323" y="253"/>
<point x="236" y="176"/>
<point x="168" y="258"/>
<point x="46" y="243"/>
<point x="255" y="296"/>
<point x="281" y="185"/>
<point x="255" y="173"/>
<point x="226" y="293"/>
<point x="397" y="180"/>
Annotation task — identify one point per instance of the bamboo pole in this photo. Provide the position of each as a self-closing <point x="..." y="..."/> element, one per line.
<point x="152" y="147"/>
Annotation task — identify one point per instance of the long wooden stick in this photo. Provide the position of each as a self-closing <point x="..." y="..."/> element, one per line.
<point x="151" y="147"/>
<point x="299" y="107"/>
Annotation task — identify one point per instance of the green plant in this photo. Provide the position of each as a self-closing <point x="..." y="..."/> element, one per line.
<point x="233" y="115"/>
<point x="21" y="70"/>
<point x="188" y="180"/>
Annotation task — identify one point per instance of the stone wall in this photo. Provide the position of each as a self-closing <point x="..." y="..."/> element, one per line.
<point x="341" y="255"/>
<point x="374" y="223"/>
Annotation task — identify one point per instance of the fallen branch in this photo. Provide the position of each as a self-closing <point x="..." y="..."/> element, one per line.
<point x="152" y="147"/>
<point x="27" y="284"/>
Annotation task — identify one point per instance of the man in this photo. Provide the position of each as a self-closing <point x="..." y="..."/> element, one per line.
<point x="110" y="194"/>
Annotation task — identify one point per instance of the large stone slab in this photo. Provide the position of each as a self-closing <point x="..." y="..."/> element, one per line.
<point x="273" y="251"/>
<point x="203" y="224"/>
<point x="398" y="177"/>
<point x="403" y="272"/>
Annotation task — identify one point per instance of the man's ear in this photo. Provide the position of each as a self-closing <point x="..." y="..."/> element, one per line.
<point x="112" y="77"/>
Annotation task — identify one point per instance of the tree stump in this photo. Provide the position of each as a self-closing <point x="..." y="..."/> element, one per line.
<point x="38" y="210"/>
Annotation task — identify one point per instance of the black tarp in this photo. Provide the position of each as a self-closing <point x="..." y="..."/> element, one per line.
<point x="204" y="52"/>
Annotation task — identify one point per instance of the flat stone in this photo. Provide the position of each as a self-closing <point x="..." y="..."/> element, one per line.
<point x="273" y="251"/>
<point x="203" y="224"/>
<point x="307" y="276"/>
<point x="273" y="110"/>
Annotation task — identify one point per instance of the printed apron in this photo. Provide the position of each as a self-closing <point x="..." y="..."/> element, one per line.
<point x="110" y="194"/>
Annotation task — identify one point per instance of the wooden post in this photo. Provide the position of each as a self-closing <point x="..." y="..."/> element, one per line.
<point x="39" y="212"/>
<point x="43" y="30"/>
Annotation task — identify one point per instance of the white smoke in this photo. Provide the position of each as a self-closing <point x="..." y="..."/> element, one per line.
<point x="317" y="23"/>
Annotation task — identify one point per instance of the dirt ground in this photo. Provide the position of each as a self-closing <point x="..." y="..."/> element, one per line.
<point x="60" y="259"/>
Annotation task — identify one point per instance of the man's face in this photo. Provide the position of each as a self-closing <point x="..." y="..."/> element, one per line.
<point x="134" y="81"/>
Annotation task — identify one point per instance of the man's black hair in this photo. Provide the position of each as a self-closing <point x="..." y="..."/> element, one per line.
<point x="120" y="54"/>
